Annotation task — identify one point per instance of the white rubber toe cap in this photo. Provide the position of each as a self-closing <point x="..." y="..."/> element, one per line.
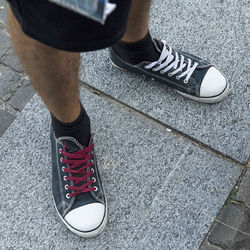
<point x="86" y="218"/>
<point x="213" y="84"/>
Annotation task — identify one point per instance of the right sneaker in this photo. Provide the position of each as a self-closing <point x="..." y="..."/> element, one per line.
<point x="78" y="194"/>
<point x="191" y="76"/>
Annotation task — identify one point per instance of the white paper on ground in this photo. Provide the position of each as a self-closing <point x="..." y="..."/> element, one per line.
<point x="97" y="10"/>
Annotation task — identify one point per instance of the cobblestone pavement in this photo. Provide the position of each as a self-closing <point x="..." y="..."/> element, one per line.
<point x="231" y="229"/>
<point x="15" y="88"/>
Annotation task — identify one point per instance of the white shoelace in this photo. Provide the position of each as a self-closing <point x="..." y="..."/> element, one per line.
<point x="177" y="64"/>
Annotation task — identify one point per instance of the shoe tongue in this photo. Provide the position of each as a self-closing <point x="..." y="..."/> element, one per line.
<point x="72" y="143"/>
<point x="158" y="45"/>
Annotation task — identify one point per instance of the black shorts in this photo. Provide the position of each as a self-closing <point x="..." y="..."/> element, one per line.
<point x="66" y="30"/>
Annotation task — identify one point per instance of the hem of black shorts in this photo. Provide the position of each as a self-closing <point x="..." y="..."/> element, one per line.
<point x="83" y="46"/>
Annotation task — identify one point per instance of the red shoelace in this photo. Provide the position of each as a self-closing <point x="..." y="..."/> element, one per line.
<point x="75" y="160"/>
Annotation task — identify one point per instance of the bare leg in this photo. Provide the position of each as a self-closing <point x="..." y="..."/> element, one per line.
<point x="138" y="19"/>
<point x="53" y="73"/>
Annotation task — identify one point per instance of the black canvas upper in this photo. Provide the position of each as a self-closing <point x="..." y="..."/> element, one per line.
<point x="194" y="83"/>
<point x="63" y="204"/>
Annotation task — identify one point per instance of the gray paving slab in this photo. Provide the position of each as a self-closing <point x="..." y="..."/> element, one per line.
<point x="8" y="82"/>
<point x="243" y="194"/>
<point x="208" y="246"/>
<point x="4" y="42"/>
<point x="3" y="11"/>
<point x="215" y="30"/>
<point x="22" y="96"/>
<point x="10" y="59"/>
<point x="236" y="233"/>
<point x="162" y="190"/>
<point x="5" y="120"/>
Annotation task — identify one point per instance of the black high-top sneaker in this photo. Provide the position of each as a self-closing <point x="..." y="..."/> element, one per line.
<point x="78" y="195"/>
<point x="189" y="75"/>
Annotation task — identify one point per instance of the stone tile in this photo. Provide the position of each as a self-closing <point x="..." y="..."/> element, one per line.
<point x="10" y="59"/>
<point x="237" y="234"/>
<point x="162" y="191"/>
<point x="21" y="97"/>
<point x="5" y="120"/>
<point x="8" y="82"/>
<point x="4" y="42"/>
<point x="3" y="11"/>
<point x="222" y="126"/>
<point x="207" y="246"/>
<point x="244" y="189"/>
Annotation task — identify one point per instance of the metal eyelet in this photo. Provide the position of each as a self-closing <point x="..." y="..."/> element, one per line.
<point x="67" y="196"/>
<point x="60" y="151"/>
<point x="170" y="74"/>
<point x="185" y="81"/>
<point x="61" y="159"/>
<point x="153" y="69"/>
<point x="92" y="170"/>
<point x="96" y="189"/>
<point x="64" y="177"/>
<point x="93" y="178"/>
<point x="92" y="161"/>
<point x="66" y="187"/>
<point x="177" y="78"/>
<point x="63" y="169"/>
<point x="162" y="72"/>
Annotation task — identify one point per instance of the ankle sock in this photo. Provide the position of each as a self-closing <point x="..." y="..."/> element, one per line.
<point x="136" y="52"/>
<point x="79" y="129"/>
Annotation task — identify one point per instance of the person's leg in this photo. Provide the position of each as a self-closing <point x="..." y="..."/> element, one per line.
<point x="136" y="44"/>
<point x="138" y="19"/>
<point x="78" y="195"/>
<point x="53" y="73"/>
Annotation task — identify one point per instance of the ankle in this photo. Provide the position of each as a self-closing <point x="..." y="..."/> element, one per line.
<point x="134" y="37"/>
<point x="136" y="52"/>
<point x="78" y="129"/>
<point x="69" y="114"/>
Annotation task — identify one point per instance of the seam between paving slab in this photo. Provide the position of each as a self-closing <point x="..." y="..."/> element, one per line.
<point x="166" y="126"/>
<point x="232" y="227"/>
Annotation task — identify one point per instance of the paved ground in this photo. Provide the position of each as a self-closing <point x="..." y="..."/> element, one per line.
<point x="15" y="89"/>
<point x="175" y="171"/>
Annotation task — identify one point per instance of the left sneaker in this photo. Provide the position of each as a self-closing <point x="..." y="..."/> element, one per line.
<point x="189" y="75"/>
<point x="78" y="194"/>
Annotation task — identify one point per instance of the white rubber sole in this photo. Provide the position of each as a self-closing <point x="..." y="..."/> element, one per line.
<point x="90" y="234"/>
<point x="213" y="99"/>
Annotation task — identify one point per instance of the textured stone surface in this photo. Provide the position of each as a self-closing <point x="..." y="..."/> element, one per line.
<point x="3" y="11"/>
<point x="162" y="190"/>
<point x="208" y="246"/>
<point x="22" y="96"/>
<point x="5" y="120"/>
<point x="4" y="42"/>
<point x="215" y="30"/>
<point x="244" y="189"/>
<point x="237" y="234"/>
<point x="8" y="82"/>
<point x="10" y="59"/>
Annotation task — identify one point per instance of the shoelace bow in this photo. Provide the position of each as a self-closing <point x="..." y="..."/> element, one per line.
<point x="173" y="62"/>
<point x="75" y="160"/>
